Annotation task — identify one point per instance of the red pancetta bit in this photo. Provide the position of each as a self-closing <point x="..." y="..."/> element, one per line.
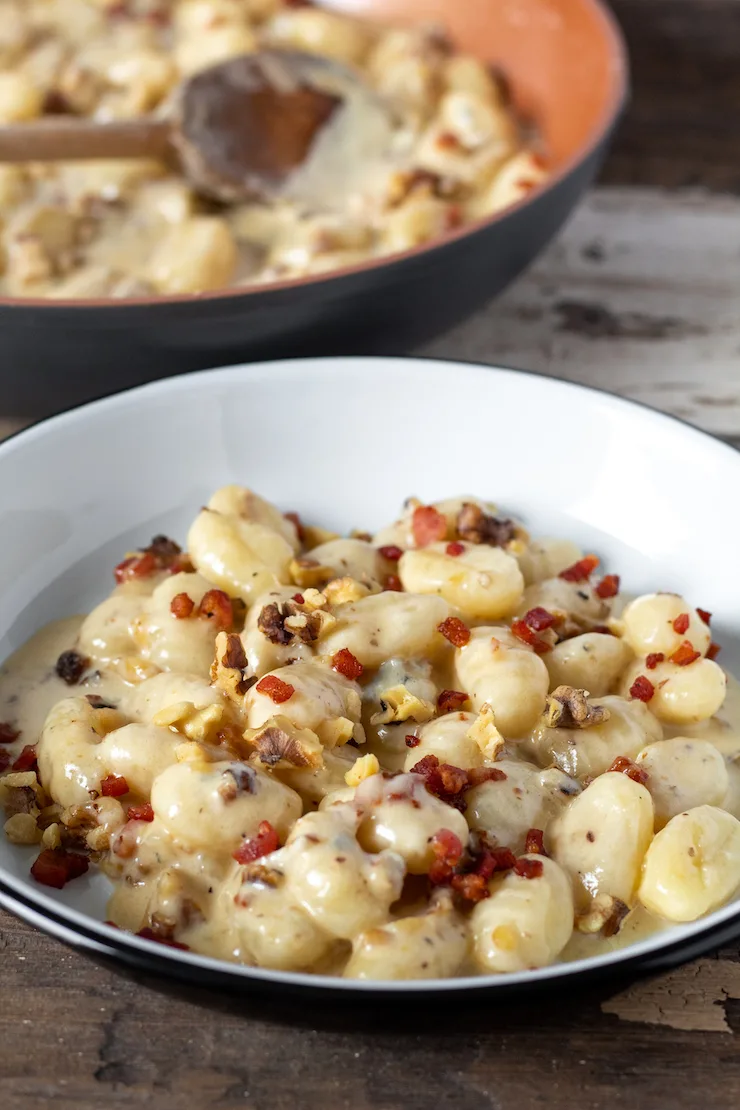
<point x="26" y="761"/>
<point x="8" y="734"/>
<point x="275" y="689"/>
<point x="471" y="887"/>
<point x="392" y="582"/>
<point x="534" y="843"/>
<point x="527" y="635"/>
<point x="265" y="842"/>
<point x="478" y="775"/>
<point x="628" y="767"/>
<point x="443" y="780"/>
<point x="347" y="664"/>
<point x="713" y="650"/>
<point x="114" y="786"/>
<point x="705" y="616"/>
<point x="391" y="552"/>
<point x="450" y="700"/>
<point x="447" y="846"/>
<point x="448" y="850"/>
<point x="685" y="654"/>
<point x="182" y="606"/>
<point x="295" y="519"/>
<point x="642" y="689"/>
<point x="136" y="566"/>
<point x="608" y="586"/>
<point x="539" y="619"/>
<point x="412" y="741"/>
<point x="681" y="623"/>
<point x="149" y="934"/>
<point x="215" y="606"/>
<point x="143" y="812"/>
<point x="427" y="525"/>
<point x="455" y="549"/>
<point x="580" y="571"/>
<point x="299" y="599"/>
<point x="491" y="860"/>
<point x="529" y="868"/>
<point x="652" y="660"/>
<point x="56" y="867"/>
<point x="454" y="630"/>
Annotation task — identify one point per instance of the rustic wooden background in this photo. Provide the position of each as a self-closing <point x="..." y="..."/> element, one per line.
<point x="640" y="295"/>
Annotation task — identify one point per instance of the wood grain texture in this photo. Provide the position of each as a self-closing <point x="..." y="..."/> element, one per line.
<point x="683" y="125"/>
<point x="77" y="1035"/>
<point x="638" y="296"/>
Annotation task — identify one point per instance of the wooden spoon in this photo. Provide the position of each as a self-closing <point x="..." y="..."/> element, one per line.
<point x="238" y="129"/>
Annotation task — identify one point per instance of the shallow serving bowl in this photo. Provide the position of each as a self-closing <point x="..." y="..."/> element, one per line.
<point x="645" y="491"/>
<point x="566" y="65"/>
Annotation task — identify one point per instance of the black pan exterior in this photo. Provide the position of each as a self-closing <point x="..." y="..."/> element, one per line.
<point x="55" y="355"/>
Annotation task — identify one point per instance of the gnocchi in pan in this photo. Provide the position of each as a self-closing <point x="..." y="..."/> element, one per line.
<point x="135" y="228"/>
<point x="446" y="749"/>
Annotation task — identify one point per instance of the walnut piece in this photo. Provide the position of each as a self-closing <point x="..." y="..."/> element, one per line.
<point x="21" y="828"/>
<point x="605" y="915"/>
<point x="280" y="743"/>
<point x="340" y="591"/>
<point x="475" y="526"/>
<point x="362" y="768"/>
<point x="309" y="572"/>
<point x="484" y="733"/>
<point x="399" y="704"/>
<point x="229" y="667"/>
<point x="271" y="623"/>
<point x="567" y="707"/>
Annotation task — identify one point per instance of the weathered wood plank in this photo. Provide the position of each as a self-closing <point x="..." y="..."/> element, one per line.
<point x="639" y="295"/>
<point x="683" y="126"/>
<point x="79" y="1035"/>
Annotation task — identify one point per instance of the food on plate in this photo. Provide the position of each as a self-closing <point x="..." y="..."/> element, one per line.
<point x="134" y="228"/>
<point x="444" y="749"/>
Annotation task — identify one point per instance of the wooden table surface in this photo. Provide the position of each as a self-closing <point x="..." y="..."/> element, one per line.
<point x="640" y="295"/>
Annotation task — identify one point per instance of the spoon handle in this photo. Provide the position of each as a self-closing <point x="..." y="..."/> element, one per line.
<point x="61" y="139"/>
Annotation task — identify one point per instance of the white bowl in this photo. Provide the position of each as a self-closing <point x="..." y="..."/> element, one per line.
<point x="343" y="442"/>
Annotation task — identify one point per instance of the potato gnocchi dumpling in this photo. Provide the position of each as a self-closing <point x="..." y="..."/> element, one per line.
<point x="445" y="749"/>
<point x="602" y="837"/>
<point x="455" y="148"/>
<point x="693" y="864"/>
<point x="526" y="922"/>
<point x="498" y="670"/>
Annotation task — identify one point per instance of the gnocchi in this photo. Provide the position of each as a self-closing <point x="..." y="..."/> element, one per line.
<point x="448" y="749"/>
<point x="456" y="149"/>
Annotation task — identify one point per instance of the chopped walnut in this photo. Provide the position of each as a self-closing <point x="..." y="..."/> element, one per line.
<point x="341" y="591"/>
<point x="308" y="627"/>
<point x="338" y="731"/>
<point x="52" y="836"/>
<point x="362" y="768"/>
<point x="309" y="572"/>
<point x="485" y="734"/>
<point x="280" y="743"/>
<point x="399" y="704"/>
<point x="235" y="780"/>
<point x="197" y="724"/>
<point x="271" y="623"/>
<point x="605" y="915"/>
<point x="21" y="828"/>
<point x="229" y="666"/>
<point x="567" y="707"/>
<point x="475" y="526"/>
<point x="258" y="872"/>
